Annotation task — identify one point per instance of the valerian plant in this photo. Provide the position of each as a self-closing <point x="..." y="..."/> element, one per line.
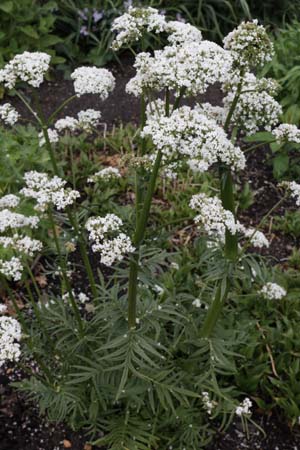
<point x="129" y="353"/>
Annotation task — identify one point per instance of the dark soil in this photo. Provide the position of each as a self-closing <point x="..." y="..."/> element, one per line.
<point x="21" y="427"/>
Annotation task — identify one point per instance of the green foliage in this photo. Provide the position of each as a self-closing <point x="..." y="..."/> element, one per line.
<point x="289" y="223"/>
<point x="285" y="67"/>
<point x="20" y="152"/>
<point x="142" y="387"/>
<point x="270" y="369"/>
<point x="86" y="37"/>
<point x="283" y="157"/>
<point x="28" y="26"/>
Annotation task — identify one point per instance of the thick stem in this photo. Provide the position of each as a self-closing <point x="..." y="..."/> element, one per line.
<point x="227" y="197"/>
<point x="231" y="240"/>
<point x="226" y="187"/>
<point x="214" y="310"/>
<point x="138" y="237"/>
<point x="140" y="230"/>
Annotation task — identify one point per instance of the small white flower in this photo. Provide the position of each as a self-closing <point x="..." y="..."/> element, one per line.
<point x="53" y="137"/>
<point x="3" y="309"/>
<point x="208" y="404"/>
<point x="106" y="174"/>
<point x="82" y="297"/>
<point x="9" y="114"/>
<point x="294" y="188"/>
<point x="244" y="408"/>
<point x="272" y="291"/>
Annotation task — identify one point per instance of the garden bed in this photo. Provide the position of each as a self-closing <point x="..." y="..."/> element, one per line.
<point x="21" y="427"/>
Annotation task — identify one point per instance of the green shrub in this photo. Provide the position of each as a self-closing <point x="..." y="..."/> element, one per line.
<point x="27" y="25"/>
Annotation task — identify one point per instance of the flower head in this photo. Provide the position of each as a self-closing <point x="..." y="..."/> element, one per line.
<point x="212" y="216"/>
<point x="48" y="191"/>
<point x="9" y="114"/>
<point x="286" y="132"/>
<point x="131" y="25"/>
<point x="92" y="80"/>
<point x="107" y="239"/>
<point x="189" y="133"/>
<point x="244" y="408"/>
<point x="272" y="291"/>
<point x="106" y="174"/>
<point x="10" y="336"/>
<point x="28" y="66"/>
<point x="191" y="66"/>
<point x="249" y="44"/>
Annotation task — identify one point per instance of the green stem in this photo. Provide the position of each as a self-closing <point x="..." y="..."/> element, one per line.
<point x="226" y="187"/>
<point x="138" y="237"/>
<point x="231" y="240"/>
<point x="214" y="310"/>
<point x="260" y="224"/>
<point x="29" y="107"/>
<point x="227" y="197"/>
<point x="84" y="254"/>
<point x="59" y="109"/>
<point x="63" y="269"/>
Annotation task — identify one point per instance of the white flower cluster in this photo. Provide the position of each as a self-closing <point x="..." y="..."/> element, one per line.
<point x="108" y="240"/>
<point x="11" y="268"/>
<point x="48" y="191"/>
<point x="244" y="408"/>
<point x="81" y="297"/>
<point x="181" y="32"/>
<point x="9" y="114"/>
<point x="287" y="132"/>
<point x="53" y="137"/>
<point x="131" y="25"/>
<point x="28" y="67"/>
<point x="215" y="219"/>
<point x="22" y="244"/>
<point x="85" y="121"/>
<point x="13" y="220"/>
<point x="249" y="44"/>
<point x="106" y="174"/>
<point x="92" y="80"/>
<point x="216" y="113"/>
<point x="272" y="291"/>
<point x="9" y="201"/>
<point x="10" y="336"/>
<point x="256" y="107"/>
<point x="3" y="308"/>
<point x="258" y="239"/>
<point x="295" y="190"/>
<point x="212" y="216"/>
<point x="208" y="404"/>
<point x="192" y="66"/>
<point x="194" y="135"/>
